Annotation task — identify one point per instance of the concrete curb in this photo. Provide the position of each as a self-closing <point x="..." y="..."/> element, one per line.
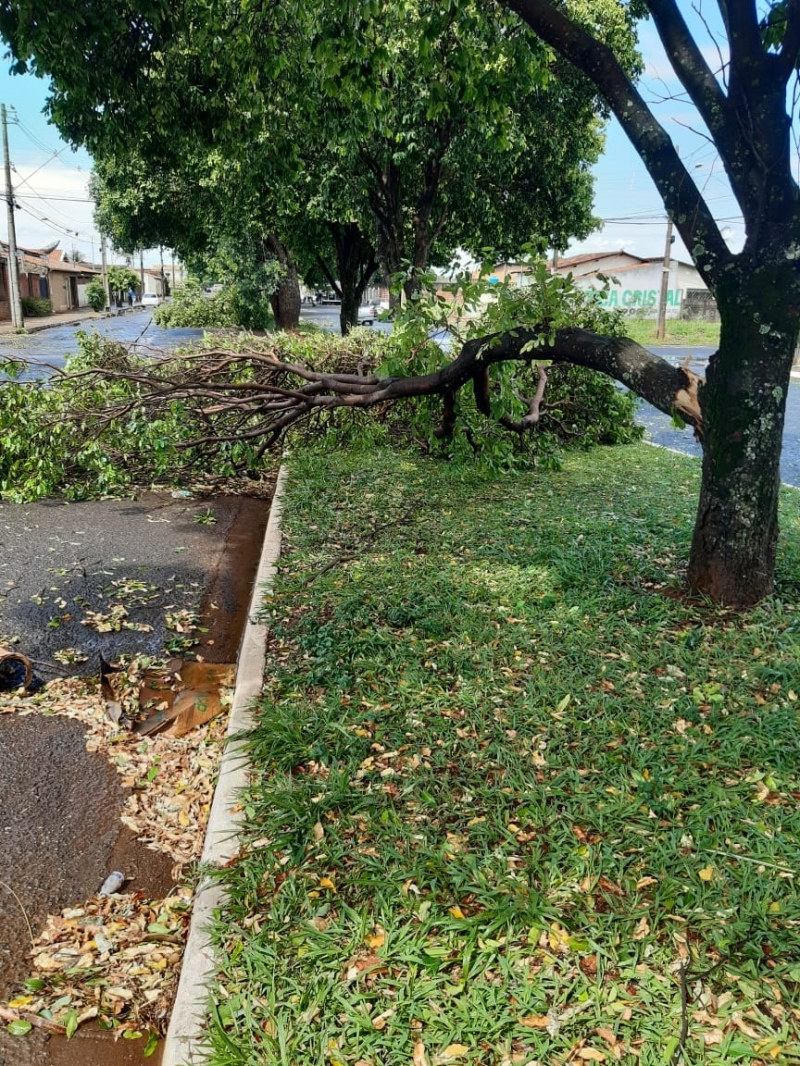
<point x="182" y="1045"/>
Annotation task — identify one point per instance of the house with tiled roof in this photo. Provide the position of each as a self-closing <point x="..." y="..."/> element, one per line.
<point x="628" y="281"/>
<point x="46" y="274"/>
<point x="33" y="277"/>
<point x="68" y="281"/>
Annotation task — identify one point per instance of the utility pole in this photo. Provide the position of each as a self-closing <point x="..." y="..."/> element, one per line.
<point x="662" y="303"/>
<point x="104" y="262"/>
<point x="661" y="327"/>
<point x="17" y="321"/>
<point x="141" y="272"/>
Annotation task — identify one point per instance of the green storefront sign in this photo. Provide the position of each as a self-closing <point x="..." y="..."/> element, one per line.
<point x="637" y="298"/>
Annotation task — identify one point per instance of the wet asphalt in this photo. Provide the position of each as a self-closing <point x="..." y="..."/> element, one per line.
<point x="68" y="571"/>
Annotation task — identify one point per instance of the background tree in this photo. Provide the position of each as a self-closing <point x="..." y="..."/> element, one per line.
<point x="120" y="281"/>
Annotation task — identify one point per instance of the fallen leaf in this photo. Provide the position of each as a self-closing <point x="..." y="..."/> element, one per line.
<point x="457" y="912"/>
<point x="706" y="873"/>
<point x="535" y="1021"/>
<point x="712" y="1037"/>
<point x="376" y="941"/>
<point x="450" y="1053"/>
<point x="590" y="1054"/>
<point x="609" y="886"/>
<point x="645" y="882"/>
<point x="420" y="1055"/>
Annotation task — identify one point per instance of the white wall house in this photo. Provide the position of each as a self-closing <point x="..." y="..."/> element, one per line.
<point x="634" y="283"/>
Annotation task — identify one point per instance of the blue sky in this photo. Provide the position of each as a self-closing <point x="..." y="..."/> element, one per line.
<point x="50" y="179"/>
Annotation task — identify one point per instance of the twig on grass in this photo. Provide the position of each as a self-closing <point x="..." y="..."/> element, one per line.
<point x="754" y="861"/>
<point x="8" y="1015"/>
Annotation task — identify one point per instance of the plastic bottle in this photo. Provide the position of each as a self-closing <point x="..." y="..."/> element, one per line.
<point x="113" y="883"/>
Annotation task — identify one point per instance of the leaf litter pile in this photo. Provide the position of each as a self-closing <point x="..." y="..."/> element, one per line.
<point x="115" y="958"/>
<point x="520" y="803"/>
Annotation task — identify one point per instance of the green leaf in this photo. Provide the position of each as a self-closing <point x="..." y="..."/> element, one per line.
<point x="19" y="1027"/>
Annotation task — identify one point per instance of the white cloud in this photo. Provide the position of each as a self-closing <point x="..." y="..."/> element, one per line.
<point x="54" y="205"/>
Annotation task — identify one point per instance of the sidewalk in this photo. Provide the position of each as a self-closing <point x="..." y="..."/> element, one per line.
<point x="68" y="318"/>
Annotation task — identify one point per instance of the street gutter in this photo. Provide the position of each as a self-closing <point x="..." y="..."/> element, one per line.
<point x="183" y="1042"/>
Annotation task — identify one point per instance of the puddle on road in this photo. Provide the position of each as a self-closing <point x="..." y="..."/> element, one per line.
<point x="61" y="805"/>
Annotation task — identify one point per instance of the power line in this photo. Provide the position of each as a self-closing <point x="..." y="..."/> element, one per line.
<point x="65" y="199"/>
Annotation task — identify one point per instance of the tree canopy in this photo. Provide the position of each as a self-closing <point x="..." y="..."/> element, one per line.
<point x="434" y="129"/>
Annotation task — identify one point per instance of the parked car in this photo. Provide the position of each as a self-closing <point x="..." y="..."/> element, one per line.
<point x="369" y="313"/>
<point x="151" y="299"/>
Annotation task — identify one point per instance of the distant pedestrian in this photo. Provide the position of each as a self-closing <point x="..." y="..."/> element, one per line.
<point x="131" y="295"/>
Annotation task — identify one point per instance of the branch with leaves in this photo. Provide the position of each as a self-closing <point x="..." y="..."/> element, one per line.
<point x="258" y="395"/>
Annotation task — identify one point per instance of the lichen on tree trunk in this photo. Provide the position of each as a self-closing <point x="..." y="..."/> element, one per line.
<point x="743" y="402"/>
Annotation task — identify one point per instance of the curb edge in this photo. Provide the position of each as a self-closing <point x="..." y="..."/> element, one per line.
<point x="189" y="1010"/>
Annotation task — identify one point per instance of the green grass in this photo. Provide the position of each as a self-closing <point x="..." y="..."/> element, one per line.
<point x="678" y="331"/>
<point x="517" y="800"/>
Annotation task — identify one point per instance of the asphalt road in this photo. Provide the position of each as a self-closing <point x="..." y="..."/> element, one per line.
<point x="52" y="346"/>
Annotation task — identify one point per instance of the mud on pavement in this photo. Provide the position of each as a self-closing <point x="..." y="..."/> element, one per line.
<point x="150" y="563"/>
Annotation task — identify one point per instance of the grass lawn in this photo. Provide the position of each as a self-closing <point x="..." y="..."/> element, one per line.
<point x="678" y="331"/>
<point x="518" y="802"/>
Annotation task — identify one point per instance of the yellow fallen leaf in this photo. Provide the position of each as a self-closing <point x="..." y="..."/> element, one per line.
<point x="183" y="818"/>
<point x="457" y="912"/>
<point x="20" y="1001"/>
<point x="535" y="1021"/>
<point x="376" y="941"/>
<point x="326" y="882"/>
<point x="451" y="1052"/>
<point x="706" y="873"/>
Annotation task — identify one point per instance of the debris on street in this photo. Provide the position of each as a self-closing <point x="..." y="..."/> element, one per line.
<point x="115" y="958"/>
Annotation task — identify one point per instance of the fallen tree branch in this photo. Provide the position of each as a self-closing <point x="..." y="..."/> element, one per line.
<point x="534" y="404"/>
<point x="256" y="395"/>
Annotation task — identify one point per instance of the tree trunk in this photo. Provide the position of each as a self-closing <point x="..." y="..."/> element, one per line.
<point x="348" y="309"/>
<point x="285" y="301"/>
<point x="356" y="263"/>
<point x="743" y="403"/>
